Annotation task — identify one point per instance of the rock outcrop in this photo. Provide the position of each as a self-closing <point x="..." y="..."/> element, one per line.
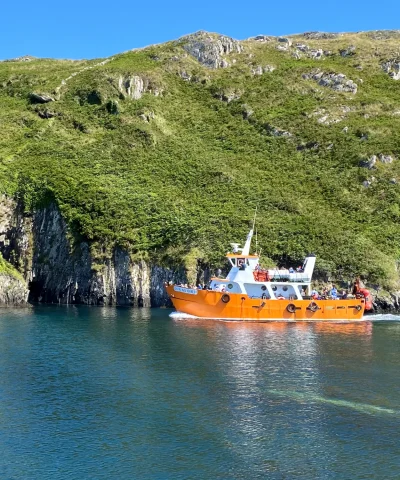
<point x="12" y="291"/>
<point x="133" y="87"/>
<point x="392" y="68"/>
<point x="40" y="98"/>
<point x="209" y="49"/>
<point x="335" y="81"/>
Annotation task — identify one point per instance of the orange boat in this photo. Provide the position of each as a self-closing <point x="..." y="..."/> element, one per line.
<point x="250" y="293"/>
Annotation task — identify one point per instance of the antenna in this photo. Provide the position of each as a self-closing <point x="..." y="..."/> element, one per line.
<point x="256" y="241"/>
<point x="254" y="220"/>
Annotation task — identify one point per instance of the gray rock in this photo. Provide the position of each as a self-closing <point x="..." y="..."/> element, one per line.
<point x="385" y="158"/>
<point x="261" y="38"/>
<point x="285" y="40"/>
<point x="13" y="291"/>
<point x="269" y="68"/>
<point x="24" y="58"/>
<point x="209" y="49"/>
<point x="335" y="81"/>
<point x="315" y="54"/>
<point x="348" y="52"/>
<point x="277" y="132"/>
<point x="369" y="162"/>
<point x="228" y="95"/>
<point x="392" y="68"/>
<point x="320" y="35"/>
<point x="185" y="76"/>
<point x="302" y="47"/>
<point x="40" y="98"/>
<point x="393" y="180"/>
<point x="133" y="86"/>
<point x="257" y="70"/>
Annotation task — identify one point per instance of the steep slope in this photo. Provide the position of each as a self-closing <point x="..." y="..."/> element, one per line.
<point x="163" y="153"/>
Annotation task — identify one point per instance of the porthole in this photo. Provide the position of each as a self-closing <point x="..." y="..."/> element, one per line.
<point x="285" y="288"/>
<point x="230" y="286"/>
<point x="263" y="288"/>
<point x="274" y="288"/>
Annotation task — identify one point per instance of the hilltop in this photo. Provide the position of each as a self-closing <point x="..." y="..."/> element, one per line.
<point x="164" y="152"/>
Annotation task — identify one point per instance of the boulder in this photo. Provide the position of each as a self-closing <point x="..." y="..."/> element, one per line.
<point x="348" y="52"/>
<point x="40" y="98"/>
<point x="261" y="38"/>
<point x="277" y="132"/>
<point x="285" y="41"/>
<point x="369" y="162"/>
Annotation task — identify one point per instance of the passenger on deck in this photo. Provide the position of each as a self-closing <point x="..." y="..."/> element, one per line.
<point x="291" y="270"/>
<point x="344" y="295"/>
<point x="334" y="293"/>
<point x="314" y="294"/>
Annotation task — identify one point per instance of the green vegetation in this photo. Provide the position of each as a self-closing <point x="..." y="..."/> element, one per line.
<point x="177" y="176"/>
<point x="7" y="269"/>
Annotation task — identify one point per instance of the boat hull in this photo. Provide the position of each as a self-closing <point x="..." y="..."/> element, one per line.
<point x="212" y="304"/>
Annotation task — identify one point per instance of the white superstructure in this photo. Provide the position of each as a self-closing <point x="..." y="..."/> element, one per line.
<point x="246" y="276"/>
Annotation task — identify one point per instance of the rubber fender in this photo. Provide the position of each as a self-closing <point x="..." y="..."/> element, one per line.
<point x="291" y="308"/>
<point x="225" y="298"/>
<point x="313" y="307"/>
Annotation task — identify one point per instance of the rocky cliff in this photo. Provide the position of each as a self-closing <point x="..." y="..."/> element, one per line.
<point x="58" y="269"/>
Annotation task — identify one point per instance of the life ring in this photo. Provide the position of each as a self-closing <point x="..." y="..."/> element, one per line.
<point x="313" y="307"/>
<point x="358" y="308"/>
<point x="291" y="308"/>
<point x="226" y="298"/>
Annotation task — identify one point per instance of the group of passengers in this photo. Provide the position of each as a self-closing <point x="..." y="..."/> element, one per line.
<point x="326" y="293"/>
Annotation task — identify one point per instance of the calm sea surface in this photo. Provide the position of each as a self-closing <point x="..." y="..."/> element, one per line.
<point x="101" y="393"/>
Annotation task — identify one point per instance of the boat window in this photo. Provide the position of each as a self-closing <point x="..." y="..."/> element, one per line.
<point x="263" y="288"/>
<point x="274" y="288"/>
<point x="285" y="288"/>
<point x="230" y="286"/>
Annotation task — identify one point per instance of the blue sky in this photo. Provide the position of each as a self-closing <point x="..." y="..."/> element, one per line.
<point x="92" y="29"/>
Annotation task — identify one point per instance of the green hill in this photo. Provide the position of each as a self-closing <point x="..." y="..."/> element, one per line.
<point x="167" y="150"/>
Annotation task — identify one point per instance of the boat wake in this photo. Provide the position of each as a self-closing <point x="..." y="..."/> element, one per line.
<point x="382" y="317"/>
<point x="360" y="407"/>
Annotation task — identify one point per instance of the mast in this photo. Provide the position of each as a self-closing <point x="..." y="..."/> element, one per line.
<point x="246" y="248"/>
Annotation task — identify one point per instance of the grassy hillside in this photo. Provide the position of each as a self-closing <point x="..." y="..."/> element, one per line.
<point x="177" y="173"/>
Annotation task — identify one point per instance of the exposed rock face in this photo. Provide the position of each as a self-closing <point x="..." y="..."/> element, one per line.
<point x="133" y="86"/>
<point x="59" y="272"/>
<point x="12" y="291"/>
<point x="335" y="81"/>
<point x="392" y="67"/>
<point x="209" y="49"/>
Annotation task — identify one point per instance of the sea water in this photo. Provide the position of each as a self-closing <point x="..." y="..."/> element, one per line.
<point x="113" y="393"/>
